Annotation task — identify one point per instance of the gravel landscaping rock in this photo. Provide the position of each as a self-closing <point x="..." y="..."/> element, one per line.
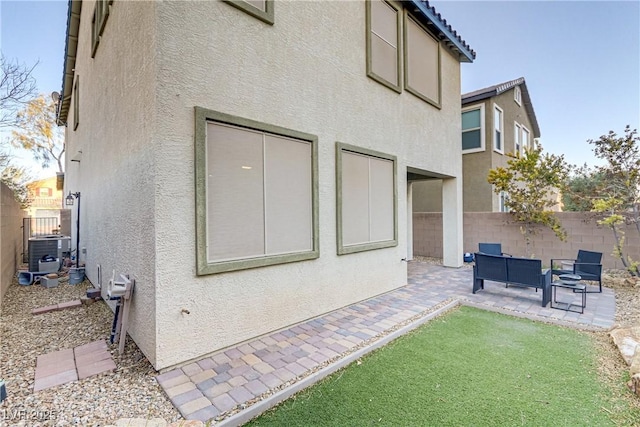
<point x="130" y="391"/>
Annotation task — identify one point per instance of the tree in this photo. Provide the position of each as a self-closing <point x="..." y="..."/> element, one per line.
<point x="17" y="86"/>
<point x="15" y="178"/>
<point x="531" y="183"/>
<point x="582" y="189"/>
<point x="620" y="186"/>
<point x="36" y="130"/>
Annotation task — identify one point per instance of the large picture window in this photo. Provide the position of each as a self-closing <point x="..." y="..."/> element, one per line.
<point x="367" y="199"/>
<point x="472" y="132"/>
<point x="256" y="194"/>
<point x="422" y="62"/>
<point x="383" y="43"/>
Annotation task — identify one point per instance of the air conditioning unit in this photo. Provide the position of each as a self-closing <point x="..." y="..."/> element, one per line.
<point x="39" y="247"/>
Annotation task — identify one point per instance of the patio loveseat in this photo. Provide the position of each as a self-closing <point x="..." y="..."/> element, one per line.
<point x="524" y="272"/>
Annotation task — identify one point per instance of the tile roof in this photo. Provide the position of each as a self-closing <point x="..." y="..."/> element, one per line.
<point x="491" y="91"/>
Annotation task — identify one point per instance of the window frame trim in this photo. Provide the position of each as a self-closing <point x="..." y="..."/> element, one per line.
<point x="517" y="95"/>
<point x="203" y="266"/>
<point x="525" y="144"/>
<point x="361" y="247"/>
<point x="399" y="48"/>
<point x="76" y="102"/>
<point x="267" y="15"/>
<point x="409" y="88"/>
<point x="482" y="130"/>
<point x="493" y="129"/>
<point x="101" y="12"/>
<point x="517" y="134"/>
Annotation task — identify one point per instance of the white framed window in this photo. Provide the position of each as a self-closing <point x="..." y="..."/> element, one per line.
<point x="256" y="194"/>
<point x="498" y="129"/>
<point x="472" y="129"/>
<point x="517" y="95"/>
<point x="503" y="202"/>
<point x="526" y="138"/>
<point x="421" y="62"/>
<point x="517" y="138"/>
<point x="367" y="199"/>
<point x="383" y="43"/>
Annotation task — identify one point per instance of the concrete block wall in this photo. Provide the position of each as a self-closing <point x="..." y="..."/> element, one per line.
<point x="583" y="232"/>
<point x="11" y="215"/>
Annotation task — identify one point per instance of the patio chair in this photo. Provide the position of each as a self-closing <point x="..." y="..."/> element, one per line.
<point x="491" y="249"/>
<point x="588" y="265"/>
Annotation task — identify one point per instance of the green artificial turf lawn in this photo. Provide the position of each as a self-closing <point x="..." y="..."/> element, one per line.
<point x="468" y="368"/>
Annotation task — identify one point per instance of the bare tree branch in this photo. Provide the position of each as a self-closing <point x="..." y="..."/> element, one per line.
<point x="17" y="86"/>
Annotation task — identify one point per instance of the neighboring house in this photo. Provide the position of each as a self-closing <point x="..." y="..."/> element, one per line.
<point x="45" y="197"/>
<point x="496" y="120"/>
<point x="250" y="163"/>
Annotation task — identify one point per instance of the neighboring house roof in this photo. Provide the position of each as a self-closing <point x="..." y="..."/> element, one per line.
<point x="434" y="20"/>
<point x="491" y="91"/>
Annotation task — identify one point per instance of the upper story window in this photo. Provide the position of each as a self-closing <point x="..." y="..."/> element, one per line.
<point x="517" y="138"/>
<point x="76" y="101"/>
<point x="498" y="128"/>
<point x="383" y="43"/>
<point x="261" y="9"/>
<point x="44" y="192"/>
<point x="517" y="95"/>
<point x="256" y="194"/>
<point x="100" y="15"/>
<point x="503" y="202"/>
<point x="367" y="199"/>
<point x="422" y="62"/>
<point x="472" y="129"/>
<point x="525" y="138"/>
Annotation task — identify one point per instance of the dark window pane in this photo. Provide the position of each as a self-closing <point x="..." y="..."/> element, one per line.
<point x="471" y="139"/>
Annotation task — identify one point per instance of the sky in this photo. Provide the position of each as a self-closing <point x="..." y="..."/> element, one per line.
<point x="580" y="59"/>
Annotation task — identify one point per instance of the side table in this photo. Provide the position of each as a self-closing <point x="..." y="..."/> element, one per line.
<point x="566" y="306"/>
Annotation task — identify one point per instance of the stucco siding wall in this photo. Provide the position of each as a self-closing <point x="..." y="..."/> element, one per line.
<point x="427" y="196"/>
<point x="11" y="216"/>
<point x="116" y="174"/>
<point x="582" y="230"/>
<point x="307" y="73"/>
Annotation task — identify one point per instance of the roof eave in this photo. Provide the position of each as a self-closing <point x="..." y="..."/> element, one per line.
<point x="70" y="50"/>
<point x="453" y="40"/>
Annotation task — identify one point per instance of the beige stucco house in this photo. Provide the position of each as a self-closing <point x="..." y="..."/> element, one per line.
<point x="250" y="163"/>
<point x="496" y="121"/>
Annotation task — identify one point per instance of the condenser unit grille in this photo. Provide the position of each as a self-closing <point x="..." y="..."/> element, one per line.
<point x="39" y="248"/>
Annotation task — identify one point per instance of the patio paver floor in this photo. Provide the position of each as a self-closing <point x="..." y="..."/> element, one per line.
<point x="238" y="376"/>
